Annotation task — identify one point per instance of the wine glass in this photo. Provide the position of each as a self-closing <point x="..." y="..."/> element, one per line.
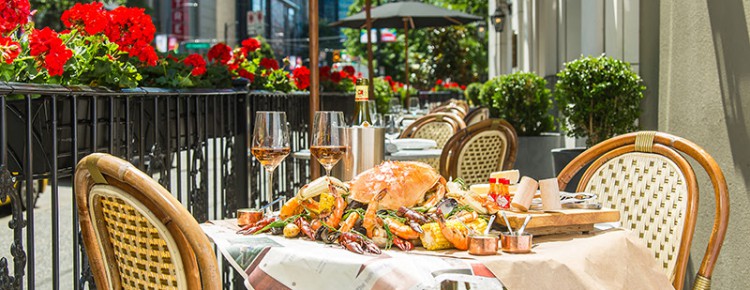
<point x="414" y="105"/>
<point x="270" y="144"/>
<point x="372" y="105"/>
<point x="391" y="126"/>
<point x="328" y="143"/>
<point x="394" y="105"/>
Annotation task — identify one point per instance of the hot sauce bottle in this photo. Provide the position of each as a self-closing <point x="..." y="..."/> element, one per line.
<point x="503" y="196"/>
<point x="494" y="189"/>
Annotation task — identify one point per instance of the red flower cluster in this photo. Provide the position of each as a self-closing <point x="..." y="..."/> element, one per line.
<point x="334" y="76"/>
<point x="349" y="70"/>
<point x="269" y="63"/>
<point x="91" y="18"/>
<point x="447" y="85"/>
<point x="133" y="31"/>
<point x="250" y="45"/>
<point x="220" y="53"/>
<point x="12" y="14"/>
<point x="9" y="49"/>
<point x="196" y="61"/>
<point x="301" y="77"/>
<point x="49" y="50"/>
<point x="395" y="85"/>
<point x="246" y="74"/>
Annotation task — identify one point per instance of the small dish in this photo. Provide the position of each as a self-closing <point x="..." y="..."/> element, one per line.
<point x="483" y="245"/>
<point x="246" y="216"/>
<point x="516" y="244"/>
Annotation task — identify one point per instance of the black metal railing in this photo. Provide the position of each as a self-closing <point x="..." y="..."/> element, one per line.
<point x="194" y="142"/>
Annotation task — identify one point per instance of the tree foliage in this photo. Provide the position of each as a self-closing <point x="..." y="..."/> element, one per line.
<point x="521" y="98"/>
<point x="457" y="53"/>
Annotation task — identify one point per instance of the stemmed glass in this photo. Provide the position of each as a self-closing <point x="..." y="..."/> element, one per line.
<point x="328" y="143"/>
<point x="391" y="126"/>
<point x="414" y="105"/>
<point x="395" y="105"/>
<point x="373" y="107"/>
<point x="270" y="144"/>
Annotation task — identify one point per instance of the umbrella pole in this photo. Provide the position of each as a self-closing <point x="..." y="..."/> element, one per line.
<point x="370" y="72"/>
<point x="314" y="77"/>
<point x="406" y="55"/>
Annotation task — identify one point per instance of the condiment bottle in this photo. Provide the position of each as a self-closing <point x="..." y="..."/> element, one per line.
<point x="494" y="189"/>
<point x="503" y="197"/>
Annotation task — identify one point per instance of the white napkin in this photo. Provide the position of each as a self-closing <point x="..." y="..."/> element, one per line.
<point x="413" y="144"/>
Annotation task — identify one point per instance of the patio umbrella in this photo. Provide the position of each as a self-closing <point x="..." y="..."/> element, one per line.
<point x="409" y="15"/>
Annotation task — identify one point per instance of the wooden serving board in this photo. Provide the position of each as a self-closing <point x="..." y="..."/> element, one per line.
<point x="561" y="221"/>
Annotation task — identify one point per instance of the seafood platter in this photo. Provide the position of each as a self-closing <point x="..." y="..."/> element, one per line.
<point x="394" y="204"/>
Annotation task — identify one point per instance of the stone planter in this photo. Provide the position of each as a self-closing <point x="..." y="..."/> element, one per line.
<point x="563" y="156"/>
<point x="534" y="158"/>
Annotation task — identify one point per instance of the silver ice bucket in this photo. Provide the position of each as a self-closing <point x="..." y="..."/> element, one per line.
<point x="365" y="150"/>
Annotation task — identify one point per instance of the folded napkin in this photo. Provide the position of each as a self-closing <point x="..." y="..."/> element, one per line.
<point x="412" y="144"/>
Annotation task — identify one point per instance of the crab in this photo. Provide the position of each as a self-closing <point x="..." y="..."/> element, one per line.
<point x="407" y="184"/>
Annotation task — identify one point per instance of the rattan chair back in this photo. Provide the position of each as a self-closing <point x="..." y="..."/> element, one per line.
<point x="461" y="103"/>
<point x="452" y="108"/>
<point x="435" y="126"/>
<point x="480" y="149"/>
<point x="136" y="234"/>
<point x="477" y="115"/>
<point x="645" y="176"/>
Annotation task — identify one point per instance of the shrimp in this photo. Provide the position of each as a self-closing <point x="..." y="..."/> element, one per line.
<point x="371" y="217"/>
<point x="349" y="223"/>
<point x="404" y="245"/>
<point x="459" y="237"/>
<point x="466" y="216"/>
<point x="292" y="207"/>
<point x="305" y="228"/>
<point x="401" y="230"/>
<point x="334" y="219"/>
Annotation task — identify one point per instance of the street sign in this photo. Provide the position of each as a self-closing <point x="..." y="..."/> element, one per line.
<point x="197" y="45"/>
<point x="255" y="23"/>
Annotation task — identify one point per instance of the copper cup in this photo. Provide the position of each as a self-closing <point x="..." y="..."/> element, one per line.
<point x="248" y="216"/>
<point x="516" y="244"/>
<point x="483" y="245"/>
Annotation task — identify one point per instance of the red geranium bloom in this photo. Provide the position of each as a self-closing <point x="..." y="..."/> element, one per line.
<point x="349" y="70"/>
<point x="438" y="82"/>
<point x="336" y="77"/>
<point x="325" y="72"/>
<point x="269" y="63"/>
<point x="132" y="30"/>
<point x="246" y="74"/>
<point x="463" y="87"/>
<point x="301" y="76"/>
<point x="9" y="49"/>
<point x="91" y="17"/>
<point x="49" y="50"/>
<point x="250" y="45"/>
<point x="172" y="57"/>
<point x="12" y="14"/>
<point x="196" y="61"/>
<point x="220" y="53"/>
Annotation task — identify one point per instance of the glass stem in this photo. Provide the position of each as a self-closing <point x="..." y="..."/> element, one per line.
<point x="328" y="172"/>
<point x="269" y="191"/>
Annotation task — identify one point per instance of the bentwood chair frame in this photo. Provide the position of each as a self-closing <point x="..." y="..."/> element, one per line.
<point x="658" y="154"/>
<point x="454" y="153"/>
<point x="452" y="120"/>
<point x="477" y="115"/>
<point x="136" y="234"/>
<point x="452" y="108"/>
<point x="461" y="103"/>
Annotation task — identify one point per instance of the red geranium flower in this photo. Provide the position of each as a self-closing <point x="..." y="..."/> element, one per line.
<point x="49" y="50"/>
<point x="250" y="45"/>
<point x="336" y="77"/>
<point x="349" y="70"/>
<point x="196" y="61"/>
<point x="91" y="17"/>
<point x="12" y="14"/>
<point x="269" y="63"/>
<point x="246" y="74"/>
<point x="325" y="72"/>
<point x="9" y="49"/>
<point x="438" y="82"/>
<point x="220" y="53"/>
<point x="463" y="87"/>
<point x="301" y="76"/>
<point x="132" y="30"/>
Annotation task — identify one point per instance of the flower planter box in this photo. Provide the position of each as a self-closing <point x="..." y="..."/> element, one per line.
<point x="534" y="158"/>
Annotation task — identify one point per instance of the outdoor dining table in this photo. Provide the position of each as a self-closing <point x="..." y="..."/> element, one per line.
<point x="606" y="259"/>
<point x="403" y="155"/>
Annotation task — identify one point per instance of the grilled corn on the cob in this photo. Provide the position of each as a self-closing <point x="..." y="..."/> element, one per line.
<point x="433" y="239"/>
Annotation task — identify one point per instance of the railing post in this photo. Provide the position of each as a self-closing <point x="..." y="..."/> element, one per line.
<point x="241" y="186"/>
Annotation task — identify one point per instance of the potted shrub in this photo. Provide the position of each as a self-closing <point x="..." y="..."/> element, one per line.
<point x="472" y="94"/>
<point x="522" y="99"/>
<point x="599" y="97"/>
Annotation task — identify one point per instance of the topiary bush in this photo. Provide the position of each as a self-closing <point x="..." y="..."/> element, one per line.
<point x="472" y="93"/>
<point x="599" y="97"/>
<point x="522" y="99"/>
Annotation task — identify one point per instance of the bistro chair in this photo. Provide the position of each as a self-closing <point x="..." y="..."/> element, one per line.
<point x="477" y="115"/>
<point x="451" y="108"/>
<point x="647" y="178"/>
<point x="460" y="103"/>
<point x="480" y="149"/>
<point x="136" y="234"/>
<point x="435" y="126"/>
